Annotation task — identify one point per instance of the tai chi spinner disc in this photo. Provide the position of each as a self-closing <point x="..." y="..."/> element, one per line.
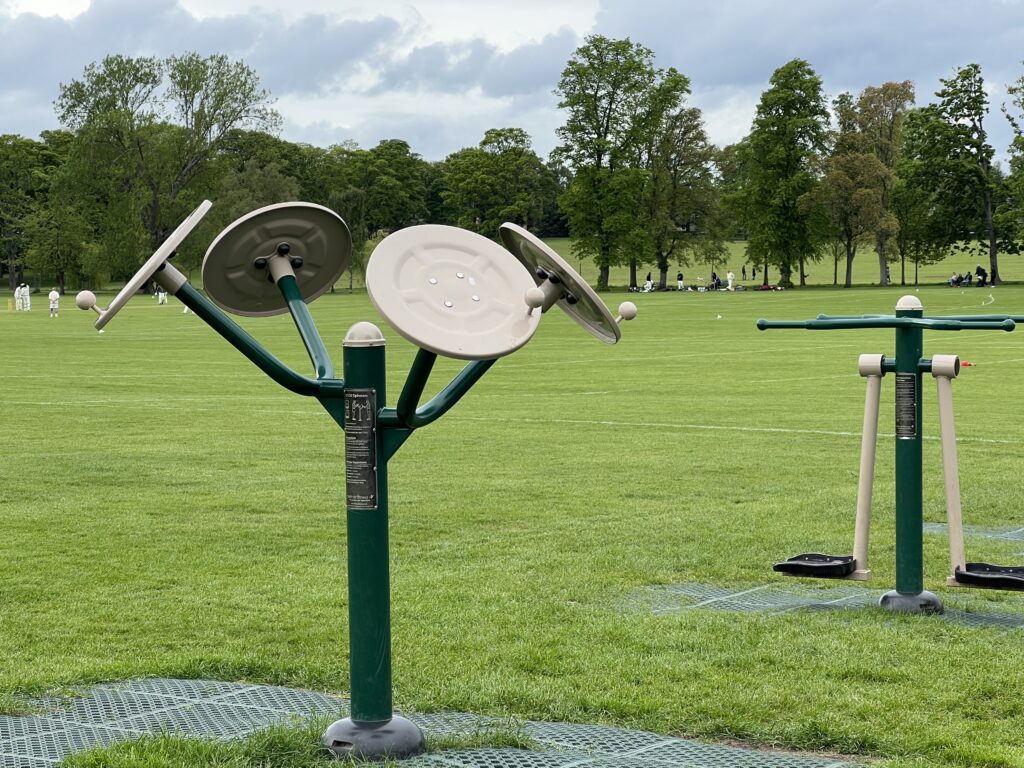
<point x="153" y="263"/>
<point x="580" y="301"/>
<point x="320" y="247"/>
<point x="452" y="292"/>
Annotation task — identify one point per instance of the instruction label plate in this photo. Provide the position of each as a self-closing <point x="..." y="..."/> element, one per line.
<point x="361" y="448"/>
<point x="906" y="406"/>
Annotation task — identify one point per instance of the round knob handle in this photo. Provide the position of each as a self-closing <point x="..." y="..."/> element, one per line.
<point x="534" y="298"/>
<point x="87" y="300"/>
<point x="627" y="311"/>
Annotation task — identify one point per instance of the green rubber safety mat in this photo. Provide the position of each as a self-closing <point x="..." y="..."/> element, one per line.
<point x="777" y="599"/>
<point x="114" y="712"/>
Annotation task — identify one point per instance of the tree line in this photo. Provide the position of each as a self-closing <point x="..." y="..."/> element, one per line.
<point x="634" y="181"/>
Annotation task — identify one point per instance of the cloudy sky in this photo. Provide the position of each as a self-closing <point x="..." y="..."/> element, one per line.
<point x="438" y="73"/>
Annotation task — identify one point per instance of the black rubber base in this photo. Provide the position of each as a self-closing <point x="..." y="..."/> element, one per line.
<point x="918" y="602"/>
<point x="991" y="576"/>
<point x="396" y="738"/>
<point x="818" y="565"/>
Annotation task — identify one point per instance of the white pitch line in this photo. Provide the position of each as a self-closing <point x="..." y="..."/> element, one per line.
<point x="726" y="428"/>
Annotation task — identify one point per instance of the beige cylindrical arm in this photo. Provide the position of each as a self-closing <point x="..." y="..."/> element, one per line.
<point x="871" y="368"/>
<point x="945" y="369"/>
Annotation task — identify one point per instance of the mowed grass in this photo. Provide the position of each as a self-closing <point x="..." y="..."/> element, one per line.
<point x="168" y="510"/>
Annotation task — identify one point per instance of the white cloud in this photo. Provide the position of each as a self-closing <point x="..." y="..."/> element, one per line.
<point x="728" y="111"/>
<point x="504" y="25"/>
<point x="66" y="9"/>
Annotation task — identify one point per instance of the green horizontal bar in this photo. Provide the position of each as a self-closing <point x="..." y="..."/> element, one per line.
<point x="887" y="321"/>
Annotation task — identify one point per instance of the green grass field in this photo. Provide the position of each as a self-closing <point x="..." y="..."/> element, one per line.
<point x="168" y="510"/>
<point x="865" y="268"/>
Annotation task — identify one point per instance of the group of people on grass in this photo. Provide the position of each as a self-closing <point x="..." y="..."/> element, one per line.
<point x="23" y="300"/>
<point x="716" y="283"/>
<point x="957" y="280"/>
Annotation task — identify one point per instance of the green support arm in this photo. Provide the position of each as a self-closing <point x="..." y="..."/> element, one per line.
<point x="307" y="330"/>
<point x="246" y="344"/>
<point x="411" y="417"/>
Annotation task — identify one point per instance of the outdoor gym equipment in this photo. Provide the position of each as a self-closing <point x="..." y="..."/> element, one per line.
<point x="450" y="292"/>
<point x="945" y="368"/>
<point x="908" y="365"/>
<point x="855" y="566"/>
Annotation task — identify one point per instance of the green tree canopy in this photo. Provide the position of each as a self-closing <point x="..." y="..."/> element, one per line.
<point x="148" y="133"/>
<point x="950" y="161"/>
<point x="789" y="135"/>
<point x="616" y="102"/>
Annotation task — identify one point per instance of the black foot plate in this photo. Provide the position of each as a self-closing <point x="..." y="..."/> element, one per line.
<point x="818" y="565"/>
<point x="991" y="576"/>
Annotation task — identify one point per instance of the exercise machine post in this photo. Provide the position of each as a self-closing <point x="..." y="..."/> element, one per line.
<point x="450" y="292"/>
<point x="908" y="365"/>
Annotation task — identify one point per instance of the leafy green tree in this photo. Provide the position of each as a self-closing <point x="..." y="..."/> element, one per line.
<point x="615" y="100"/>
<point x="394" y="179"/>
<point x="880" y="114"/>
<point x="1011" y="215"/>
<point x="920" y="236"/>
<point x="149" y="130"/>
<point x="350" y="203"/>
<point x="789" y="134"/>
<point x="851" y="193"/>
<point x="501" y="180"/>
<point x="952" y="161"/>
<point x="680" y="200"/>
<point x="58" y="239"/>
<point x="26" y="167"/>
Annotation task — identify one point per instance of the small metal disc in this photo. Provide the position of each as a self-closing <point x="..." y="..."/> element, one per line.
<point x="452" y="292"/>
<point x="588" y="310"/>
<point x="153" y="263"/>
<point x="314" y="234"/>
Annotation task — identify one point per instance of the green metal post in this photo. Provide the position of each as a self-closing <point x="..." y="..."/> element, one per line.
<point x="369" y="583"/>
<point x="909" y="565"/>
<point x="373" y="731"/>
<point x="909" y="594"/>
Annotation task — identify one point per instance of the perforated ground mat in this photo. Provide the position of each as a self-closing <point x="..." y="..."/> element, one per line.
<point x="1006" y="533"/>
<point x="779" y="598"/>
<point x="115" y="712"/>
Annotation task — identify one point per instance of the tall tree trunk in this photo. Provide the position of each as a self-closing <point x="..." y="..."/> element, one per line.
<point x="880" y="242"/>
<point x="602" y="278"/>
<point x="851" y="252"/>
<point x="835" y="268"/>
<point x="786" y="274"/>
<point x="903" y="269"/>
<point x="632" y="273"/>
<point x="60" y="282"/>
<point x="916" y="264"/>
<point x="803" y="274"/>
<point x="993" y="250"/>
<point x="764" y="272"/>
